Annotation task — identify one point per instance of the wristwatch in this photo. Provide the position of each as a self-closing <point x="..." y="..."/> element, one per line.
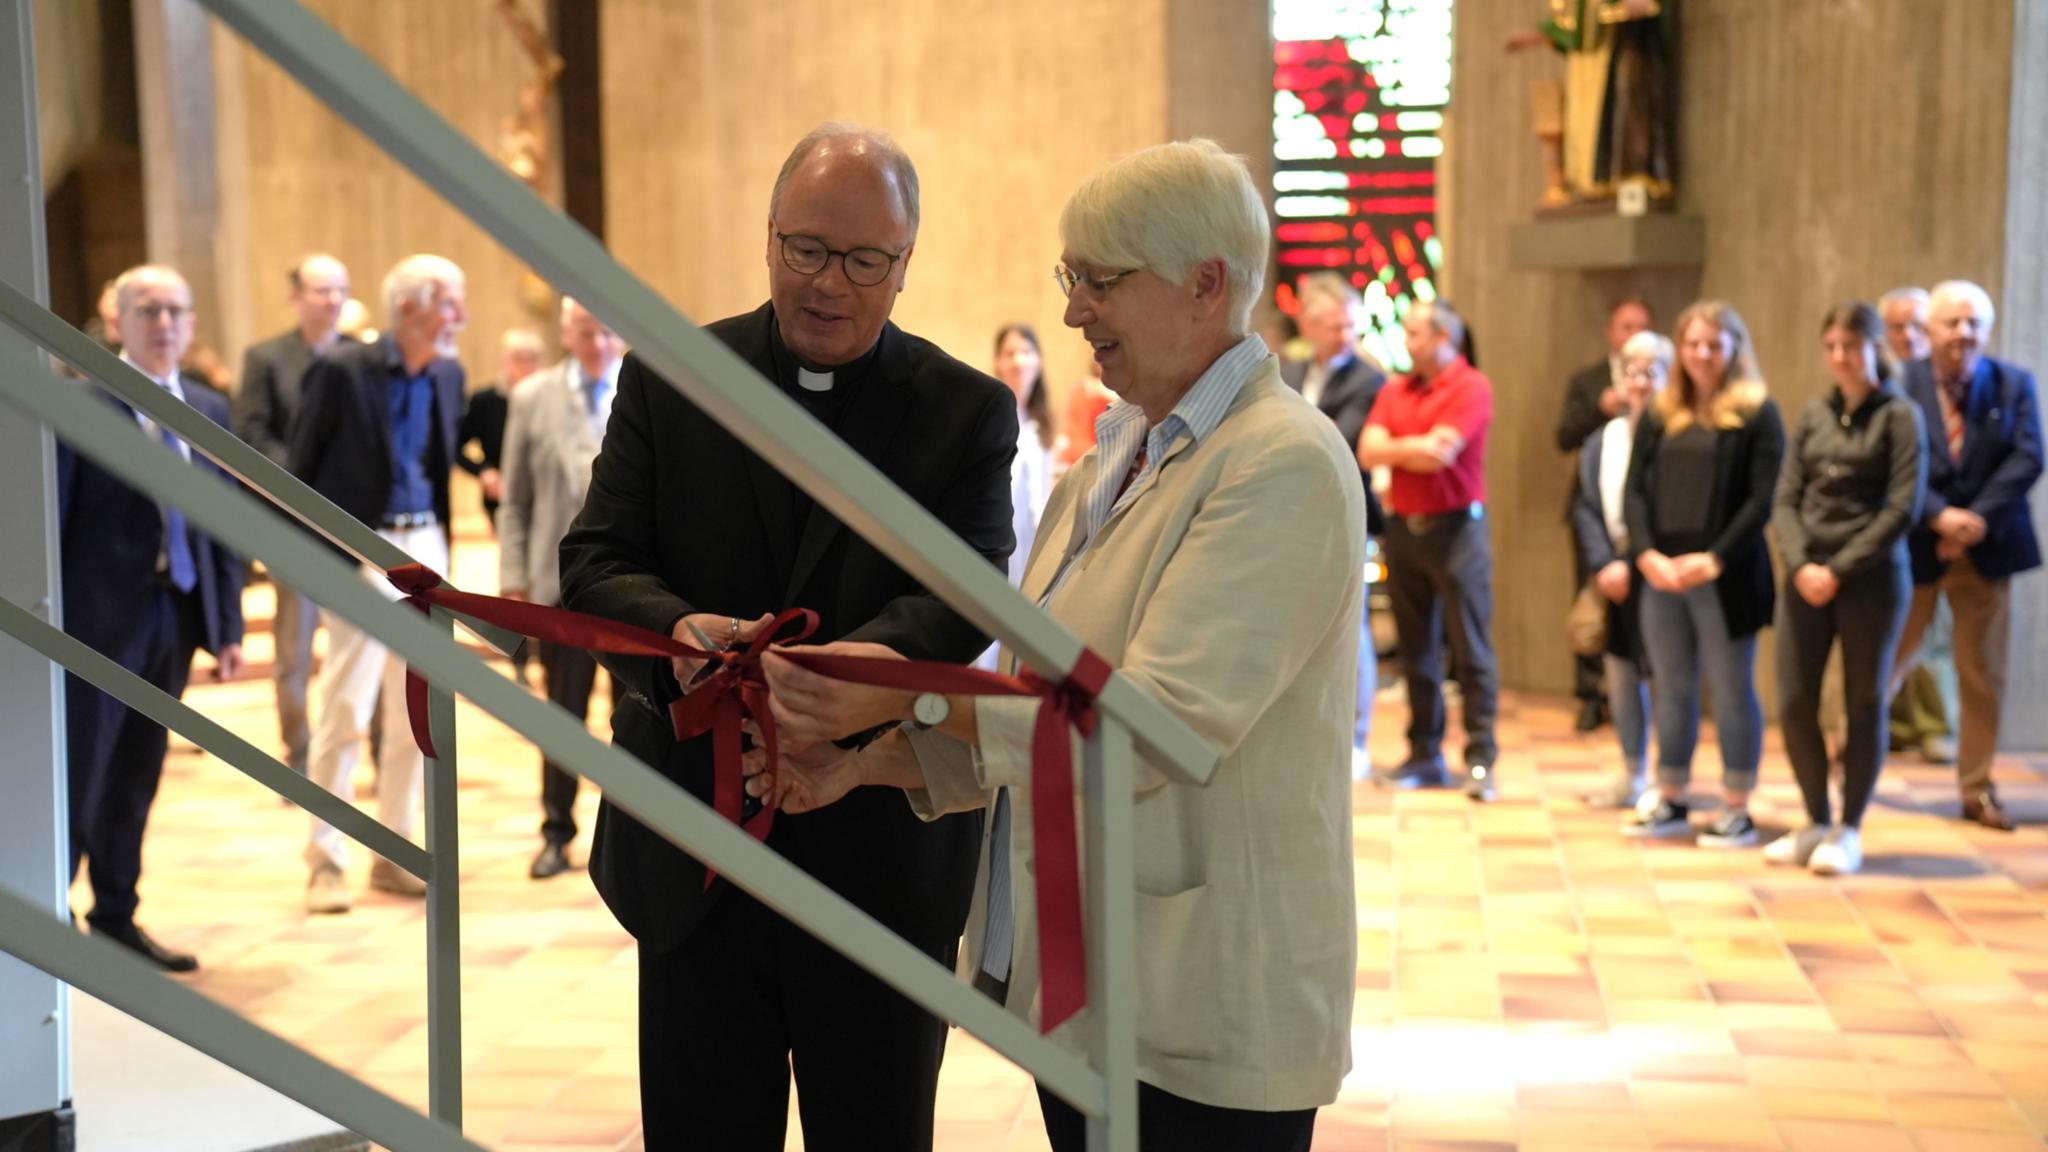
<point x="929" y="711"/>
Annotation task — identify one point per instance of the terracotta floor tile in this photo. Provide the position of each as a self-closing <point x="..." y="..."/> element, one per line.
<point x="1735" y="1131"/>
<point x="1823" y="1104"/>
<point x="1526" y="977"/>
<point x="1835" y="1136"/>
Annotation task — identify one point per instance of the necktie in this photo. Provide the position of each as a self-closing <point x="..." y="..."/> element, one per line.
<point x="1952" y="418"/>
<point x="177" y="544"/>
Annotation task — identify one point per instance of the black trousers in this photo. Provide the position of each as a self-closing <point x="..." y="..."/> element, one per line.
<point x="1867" y="615"/>
<point x="749" y="998"/>
<point x="570" y="673"/>
<point x="1169" y="1123"/>
<point x="1589" y="673"/>
<point x="116" y="756"/>
<point x="1441" y="583"/>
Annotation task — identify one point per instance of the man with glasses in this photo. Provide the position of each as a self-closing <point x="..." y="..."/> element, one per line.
<point x="686" y="528"/>
<point x="144" y="587"/>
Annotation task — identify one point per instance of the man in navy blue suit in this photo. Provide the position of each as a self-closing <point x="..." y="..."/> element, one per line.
<point x="376" y="434"/>
<point x="1983" y="422"/>
<point x="145" y="588"/>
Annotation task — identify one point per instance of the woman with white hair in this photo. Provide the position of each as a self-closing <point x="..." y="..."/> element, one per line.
<point x="1599" y="521"/>
<point x="1209" y="548"/>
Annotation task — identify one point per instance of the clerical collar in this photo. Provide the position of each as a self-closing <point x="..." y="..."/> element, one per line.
<point x="796" y="377"/>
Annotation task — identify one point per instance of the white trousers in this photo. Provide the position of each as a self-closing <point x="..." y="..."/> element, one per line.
<point x="359" y="671"/>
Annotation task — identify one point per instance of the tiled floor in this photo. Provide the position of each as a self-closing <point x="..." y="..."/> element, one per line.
<point x="1526" y="978"/>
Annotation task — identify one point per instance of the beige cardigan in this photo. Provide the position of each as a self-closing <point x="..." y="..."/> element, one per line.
<point x="1230" y="589"/>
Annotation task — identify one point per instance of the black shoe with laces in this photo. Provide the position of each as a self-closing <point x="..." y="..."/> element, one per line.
<point x="1661" y="820"/>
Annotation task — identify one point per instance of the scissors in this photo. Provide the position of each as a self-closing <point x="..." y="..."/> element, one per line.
<point x="708" y="645"/>
<point x="749" y="805"/>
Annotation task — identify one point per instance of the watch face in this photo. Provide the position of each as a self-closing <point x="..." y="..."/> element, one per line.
<point x="931" y="709"/>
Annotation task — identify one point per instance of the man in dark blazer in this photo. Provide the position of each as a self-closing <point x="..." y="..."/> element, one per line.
<point x="684" y="524"/>
<point x="146" y="588"/>
<point x="376" y="435"/>
<point x="1983" y="420"/>
<point x="1343" y="383"/>
<point x="1591" y="399"/>
<point x="273" y="373"/>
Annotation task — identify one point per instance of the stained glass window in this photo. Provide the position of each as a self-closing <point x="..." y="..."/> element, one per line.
<point x="1359" y="92"/>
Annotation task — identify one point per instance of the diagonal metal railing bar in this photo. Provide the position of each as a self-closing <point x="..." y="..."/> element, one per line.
<point x="284" y="490"/>
<point x="86" y="663"/>
<point x="251" y="529"/>
<point x="109" y="973"/>
<point x="702" y="369"/>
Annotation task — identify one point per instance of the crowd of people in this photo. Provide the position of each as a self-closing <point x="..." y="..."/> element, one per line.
<point x="1200" y="519"/>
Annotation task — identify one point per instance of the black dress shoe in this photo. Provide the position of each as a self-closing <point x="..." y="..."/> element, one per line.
<point x="552" y="861"/>
<point x="132" y="937"/>
<point x="1985" y="810"/>
<point x="1592" y="714"/>
<point x="1421" y="772"/>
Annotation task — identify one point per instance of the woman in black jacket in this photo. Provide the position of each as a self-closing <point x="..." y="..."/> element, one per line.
<point x="1699" y="495"/>
<point x="1854" y="476"/>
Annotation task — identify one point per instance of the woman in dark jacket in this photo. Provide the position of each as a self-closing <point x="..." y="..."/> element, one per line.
<point x="1699" y="496"/>
<point x="1854" y="476"/>
<point x="1599" y="522"/>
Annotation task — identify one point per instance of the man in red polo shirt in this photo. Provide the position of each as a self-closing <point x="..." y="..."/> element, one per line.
<point x="1429" y="429"/>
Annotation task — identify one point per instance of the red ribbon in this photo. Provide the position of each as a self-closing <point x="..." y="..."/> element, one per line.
<point x="736" y="691"/>
<point x="1063" y="704"/>
<point x="720" y="703"/>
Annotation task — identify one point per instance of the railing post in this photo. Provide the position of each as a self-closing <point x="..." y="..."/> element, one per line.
<point x="444" y="921"/>
<point x="1112" y="906"/>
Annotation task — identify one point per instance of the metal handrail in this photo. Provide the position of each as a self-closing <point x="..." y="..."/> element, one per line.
<point x="83" y="661"/>
<point x="108" y="972"/>
<point x="252" y="529"/>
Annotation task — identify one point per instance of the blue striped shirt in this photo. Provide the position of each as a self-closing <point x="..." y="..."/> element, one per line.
<point x="1120" y="431"/>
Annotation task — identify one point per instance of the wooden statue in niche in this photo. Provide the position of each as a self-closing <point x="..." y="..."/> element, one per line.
<point x="1612" y="121"/>
<point x="525" y="137"/>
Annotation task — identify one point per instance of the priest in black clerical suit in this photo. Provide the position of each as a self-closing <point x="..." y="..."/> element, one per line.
<point x="682" y="520"/>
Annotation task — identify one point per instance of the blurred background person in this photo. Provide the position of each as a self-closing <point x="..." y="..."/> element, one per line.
<point x="1923" y="713"/>
<point x="1975" y="532"/>
<point x="273" y="380"/>
<point x="1715" y="433"/>
<point x="553" y="432"/>
<point x="1854" y="473"/>
<point x="1600" y="525"/>
<point x="1343" y="383"/>
<point x="1596" y="395"/>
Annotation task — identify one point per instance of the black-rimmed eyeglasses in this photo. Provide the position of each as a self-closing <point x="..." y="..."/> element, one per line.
<point x="1097" y="286"/>
<point x="808" y="255"/>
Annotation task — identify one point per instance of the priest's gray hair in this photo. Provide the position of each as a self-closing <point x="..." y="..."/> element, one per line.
<point x="880" y="146"/>
<point x="1169" y="208"/>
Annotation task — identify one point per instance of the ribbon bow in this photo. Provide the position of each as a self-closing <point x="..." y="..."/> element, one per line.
<point x="721" y="703"/>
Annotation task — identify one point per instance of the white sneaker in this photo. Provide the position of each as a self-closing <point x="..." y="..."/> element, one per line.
<point x="327" y="892"/>
<point x="1794" y="849"/>
<point x="1841" y="854"/>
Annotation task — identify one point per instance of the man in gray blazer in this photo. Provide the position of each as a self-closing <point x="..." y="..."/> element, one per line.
<point x="273" y="374"/>
<point x="552" y="433"/>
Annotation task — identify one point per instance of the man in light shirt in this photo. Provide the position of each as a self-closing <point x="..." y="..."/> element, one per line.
<point x="552" y="433"/>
